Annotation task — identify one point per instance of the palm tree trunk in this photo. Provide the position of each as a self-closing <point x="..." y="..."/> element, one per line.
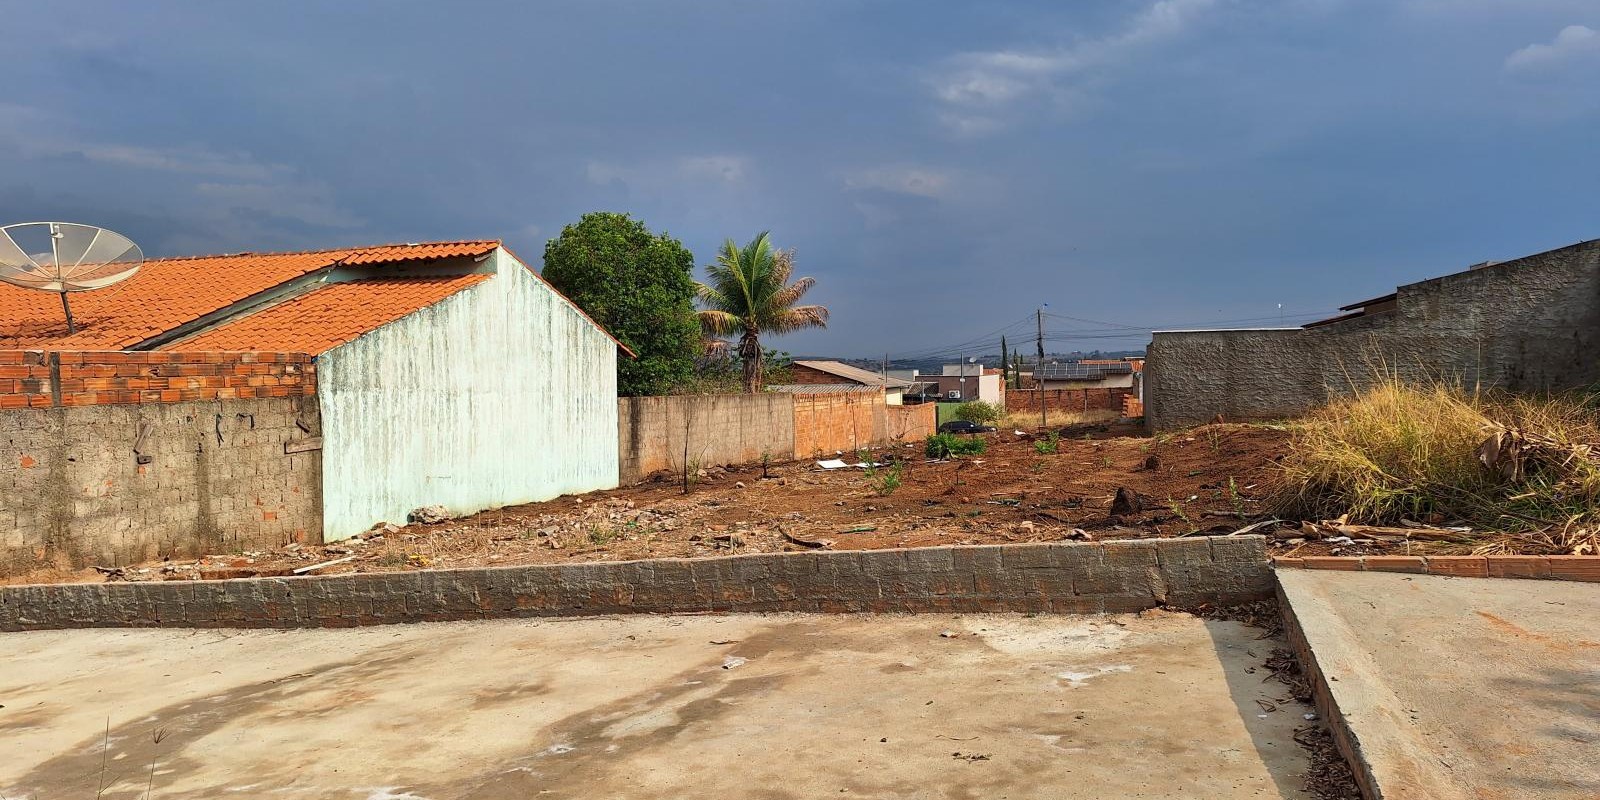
<point x="750" y="353"/>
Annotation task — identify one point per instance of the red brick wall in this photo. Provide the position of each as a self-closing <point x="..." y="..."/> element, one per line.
<point x="42" y="379"/>
<point x="1067" y="400"/>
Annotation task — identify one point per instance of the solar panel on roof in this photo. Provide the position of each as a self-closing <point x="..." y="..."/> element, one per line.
<point x="1075" y="371"/>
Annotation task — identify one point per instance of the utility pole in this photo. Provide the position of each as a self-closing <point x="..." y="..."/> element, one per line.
<point x="1038" y="370"/>
<point x="961" y="375"/>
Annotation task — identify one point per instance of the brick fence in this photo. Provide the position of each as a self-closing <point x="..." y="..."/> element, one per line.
<point x="1068" y="400"/>
<point x="1108" y="577"/>
<point x="45" y="379"/>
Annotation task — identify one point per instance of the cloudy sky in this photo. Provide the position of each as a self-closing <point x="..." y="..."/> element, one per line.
<point x="940" y="168"/>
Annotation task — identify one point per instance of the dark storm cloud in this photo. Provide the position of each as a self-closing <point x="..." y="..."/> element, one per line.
<point x="941" y="169"/>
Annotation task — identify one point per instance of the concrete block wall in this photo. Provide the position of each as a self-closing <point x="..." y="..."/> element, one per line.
<point x="1529" y="325"/>
<point x="659" y="434"/>
<point x="1075" y="578"/>
<point x="113" y="468"/>
<point x="739" y="429"/>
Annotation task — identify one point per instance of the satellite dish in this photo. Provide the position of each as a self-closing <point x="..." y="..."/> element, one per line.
<point x="65" y="257"/>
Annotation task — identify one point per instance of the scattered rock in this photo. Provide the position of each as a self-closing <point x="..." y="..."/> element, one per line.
<point x="738" y="484"/>
<point x="948" y="634"/>
<point x="1152" y="463"/>
<point x="1026" y="526"/>
<point x="428" y="515"/>
<point x="1126" y="503"/>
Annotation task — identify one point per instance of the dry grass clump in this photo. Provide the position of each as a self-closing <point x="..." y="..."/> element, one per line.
<point x="1401" y="453"/>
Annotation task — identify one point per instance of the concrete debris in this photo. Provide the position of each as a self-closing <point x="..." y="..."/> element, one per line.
<point x="428" y="515"/>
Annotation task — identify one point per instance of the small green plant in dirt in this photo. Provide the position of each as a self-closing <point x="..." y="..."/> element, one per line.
<point x="1234" y="498"/>
<point x="945" y="445"/>
<point x="980" y="412"/>
<point x="766" y="461"/>
<point x="600" y="534"/>
<point x="1177" y="511"/>
<point x="1048" y="445"/>
<point x="886" y="479"/>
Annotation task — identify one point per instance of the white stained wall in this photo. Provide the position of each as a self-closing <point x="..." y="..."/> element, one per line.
<point x="500" y="394"/>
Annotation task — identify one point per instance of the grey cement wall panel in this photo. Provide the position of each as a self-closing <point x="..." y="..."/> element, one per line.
<point x="655" y="432"/>
<point x="1040" y="578"/>
<point x="1529" y="325"/>
<point x="72" y="492"/>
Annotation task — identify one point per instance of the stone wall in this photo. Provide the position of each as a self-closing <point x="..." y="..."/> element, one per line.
<point x="1063" y="578"/>
<point x="1529" y="325"/>
<point x="115" y="458"/>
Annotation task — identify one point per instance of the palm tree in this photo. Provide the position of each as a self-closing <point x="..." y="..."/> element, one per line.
<point x="749" y="293"/>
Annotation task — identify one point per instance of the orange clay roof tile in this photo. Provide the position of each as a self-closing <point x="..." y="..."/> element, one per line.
<point x="167" y="293"/>
<point x="329" y="316"/>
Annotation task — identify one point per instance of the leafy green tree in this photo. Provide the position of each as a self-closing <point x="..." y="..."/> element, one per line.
<point x="640" y="286"/>
<point x="749" y="294"/>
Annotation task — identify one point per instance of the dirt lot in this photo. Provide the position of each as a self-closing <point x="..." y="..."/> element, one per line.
<point x="1210" y="479"/>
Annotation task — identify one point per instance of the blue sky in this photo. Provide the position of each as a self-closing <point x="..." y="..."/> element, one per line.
<point x="940" y="168"/>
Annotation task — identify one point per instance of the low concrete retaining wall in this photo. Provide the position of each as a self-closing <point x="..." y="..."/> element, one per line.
<point x="1322" y="696"/>
<point x="1561" y="568"/>
<point x="1067" y="578"/>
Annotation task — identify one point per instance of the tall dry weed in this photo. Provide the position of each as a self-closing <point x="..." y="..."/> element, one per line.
<point x="1399" y="451"/>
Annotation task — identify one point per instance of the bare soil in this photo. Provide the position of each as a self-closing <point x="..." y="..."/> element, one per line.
<point x="1211" y="479"/>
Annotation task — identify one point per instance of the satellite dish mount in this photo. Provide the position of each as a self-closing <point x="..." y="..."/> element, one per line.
<point x="64" y="257"/>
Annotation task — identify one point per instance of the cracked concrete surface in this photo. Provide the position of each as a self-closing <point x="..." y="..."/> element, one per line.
<point x="759" y="706"/>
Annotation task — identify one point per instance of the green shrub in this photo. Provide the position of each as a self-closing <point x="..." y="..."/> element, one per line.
<point x="945" y="445"/>
<point x="979" y="412"/>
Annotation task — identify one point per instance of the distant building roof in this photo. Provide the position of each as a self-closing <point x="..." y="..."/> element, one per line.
<point x="857" y="374"/>
<point x="1080" y="371"/>
<point x="827" y="388"/>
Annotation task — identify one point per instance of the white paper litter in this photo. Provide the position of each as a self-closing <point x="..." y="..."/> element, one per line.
<point x="836" y="463"/>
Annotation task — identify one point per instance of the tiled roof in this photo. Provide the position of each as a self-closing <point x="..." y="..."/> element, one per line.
<point x="167" y="293"/>
<point x="329" y="316"/>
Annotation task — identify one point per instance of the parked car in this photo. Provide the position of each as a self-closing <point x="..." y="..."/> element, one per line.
<point x="963" y="426"/>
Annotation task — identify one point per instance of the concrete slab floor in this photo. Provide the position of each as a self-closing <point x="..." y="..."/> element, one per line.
<point x="1461" y="687"/>
<point x="760" y="706"/>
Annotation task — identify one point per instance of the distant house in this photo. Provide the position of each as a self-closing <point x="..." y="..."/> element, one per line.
<point x="836" y="373"/>
<point x="969" y="381"/>
<point x="1088" y="374"/>
<point x="447" y="373"/>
